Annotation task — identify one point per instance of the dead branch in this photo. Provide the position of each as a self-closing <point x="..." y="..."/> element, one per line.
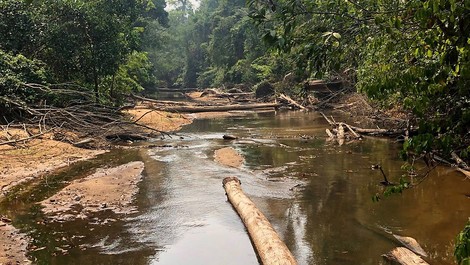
<point x="356" y="131"/>
<point x="26" y="138"/>
<point x="332" y="96"/>
<point x="328" y="120"/>
<point x="351" y="130"/>
<point x="82" y="114"/>
<point x="385" y="182"/>
<point x="458" y="160"/>
<point x="290" y="101"/>
<point x="330" y="134"/>
<point x="465" y="172"/>
<point x="83" y="142"/>
<point x="340" y="134"/>
<point x="143" y="115"/>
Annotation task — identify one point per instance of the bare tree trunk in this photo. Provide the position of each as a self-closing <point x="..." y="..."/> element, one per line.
<point x="404" y="256"/>
<point x="111" y="89"/>
<point x="269" y="246"/>
<point x="97" y="92"/>
<point x="219" y="108"/>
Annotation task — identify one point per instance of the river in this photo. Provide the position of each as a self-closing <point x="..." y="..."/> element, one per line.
<point x="317" y="195"/>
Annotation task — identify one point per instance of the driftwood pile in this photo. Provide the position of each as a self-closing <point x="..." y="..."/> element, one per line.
<point x="81" y="115"/>
<point x="342" y="131"/>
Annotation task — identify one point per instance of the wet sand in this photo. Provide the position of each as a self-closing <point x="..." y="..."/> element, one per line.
<point x="12" y="245"/>
<point x="229" y="157"/>
<point x="111" y="189"/>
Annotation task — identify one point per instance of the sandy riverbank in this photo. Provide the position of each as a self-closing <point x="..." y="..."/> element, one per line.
<point x="25" y="161"/>
<point x="109" y="189"/>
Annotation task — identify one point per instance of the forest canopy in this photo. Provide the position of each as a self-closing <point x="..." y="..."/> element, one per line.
<point x="410" y="54"/>
<point x="96" y="45"/>
<point x="85" y="55"/>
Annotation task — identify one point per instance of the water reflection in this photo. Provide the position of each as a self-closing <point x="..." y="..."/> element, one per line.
<point x="316" y="194"/>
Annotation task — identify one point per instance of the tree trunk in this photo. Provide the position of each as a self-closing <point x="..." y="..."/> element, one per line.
<point x="97" y="92"/>
<point x="269" y="246"/>
<point x="411" y="244"/>
<point x="290" y="101"/>
<point x="111" y="89"/>
<point x="220" y="108"/>
<point x="404" y="256"/>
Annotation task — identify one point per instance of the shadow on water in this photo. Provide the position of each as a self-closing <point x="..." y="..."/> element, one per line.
<point x="317" y="195"/>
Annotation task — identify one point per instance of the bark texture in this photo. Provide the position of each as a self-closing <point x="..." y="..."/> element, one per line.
<point x="269" y="246"/>
<point x="404" y="256"/>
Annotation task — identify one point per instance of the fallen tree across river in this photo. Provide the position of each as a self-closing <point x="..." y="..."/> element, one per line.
<point x="195" y="109"/>
<point x="269" y="246"/>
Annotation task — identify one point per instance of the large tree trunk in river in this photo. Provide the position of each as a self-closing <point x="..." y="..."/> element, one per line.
<point x="220" y="108"/>
<point x="269" y="246"/>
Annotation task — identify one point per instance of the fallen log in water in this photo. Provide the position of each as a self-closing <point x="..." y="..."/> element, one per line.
<point x="357" y="131"/>
<point x="411" y="244"/>
<point x="269" y="246"/>
<point x="404" y="256"/>
<point x="195" y="109"/>
<point x="176" y="90"/>
<point x="152" y="100"/>
<point x="290" y="101"/>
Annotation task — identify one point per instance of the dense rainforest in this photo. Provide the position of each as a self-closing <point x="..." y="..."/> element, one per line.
<point x="413" y="55"/>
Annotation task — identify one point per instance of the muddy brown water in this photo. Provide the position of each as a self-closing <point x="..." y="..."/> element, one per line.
<point x="317" y="195"/>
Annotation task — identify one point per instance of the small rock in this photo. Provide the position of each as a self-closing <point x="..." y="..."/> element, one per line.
<point x="229" y="137"/>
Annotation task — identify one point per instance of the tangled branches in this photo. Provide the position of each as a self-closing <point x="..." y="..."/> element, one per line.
<point x="71" y="108"/>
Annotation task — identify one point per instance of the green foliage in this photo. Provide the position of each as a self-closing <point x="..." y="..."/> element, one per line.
<point x="215" y="45"/>
<point x="413" y="53"/>
<point x="15" y="71"/>
<point x="82" y="42"/>
<point x="17" y="27"/>
<point x="398" y="188"/>
<point x="132" y="76"/>
<point x="462" y="246"/>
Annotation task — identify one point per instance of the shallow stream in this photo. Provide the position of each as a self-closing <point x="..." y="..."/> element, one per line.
<point x="317" y="195"/>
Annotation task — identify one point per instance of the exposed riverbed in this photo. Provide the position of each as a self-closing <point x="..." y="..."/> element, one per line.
<point x="317" y="195"/>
